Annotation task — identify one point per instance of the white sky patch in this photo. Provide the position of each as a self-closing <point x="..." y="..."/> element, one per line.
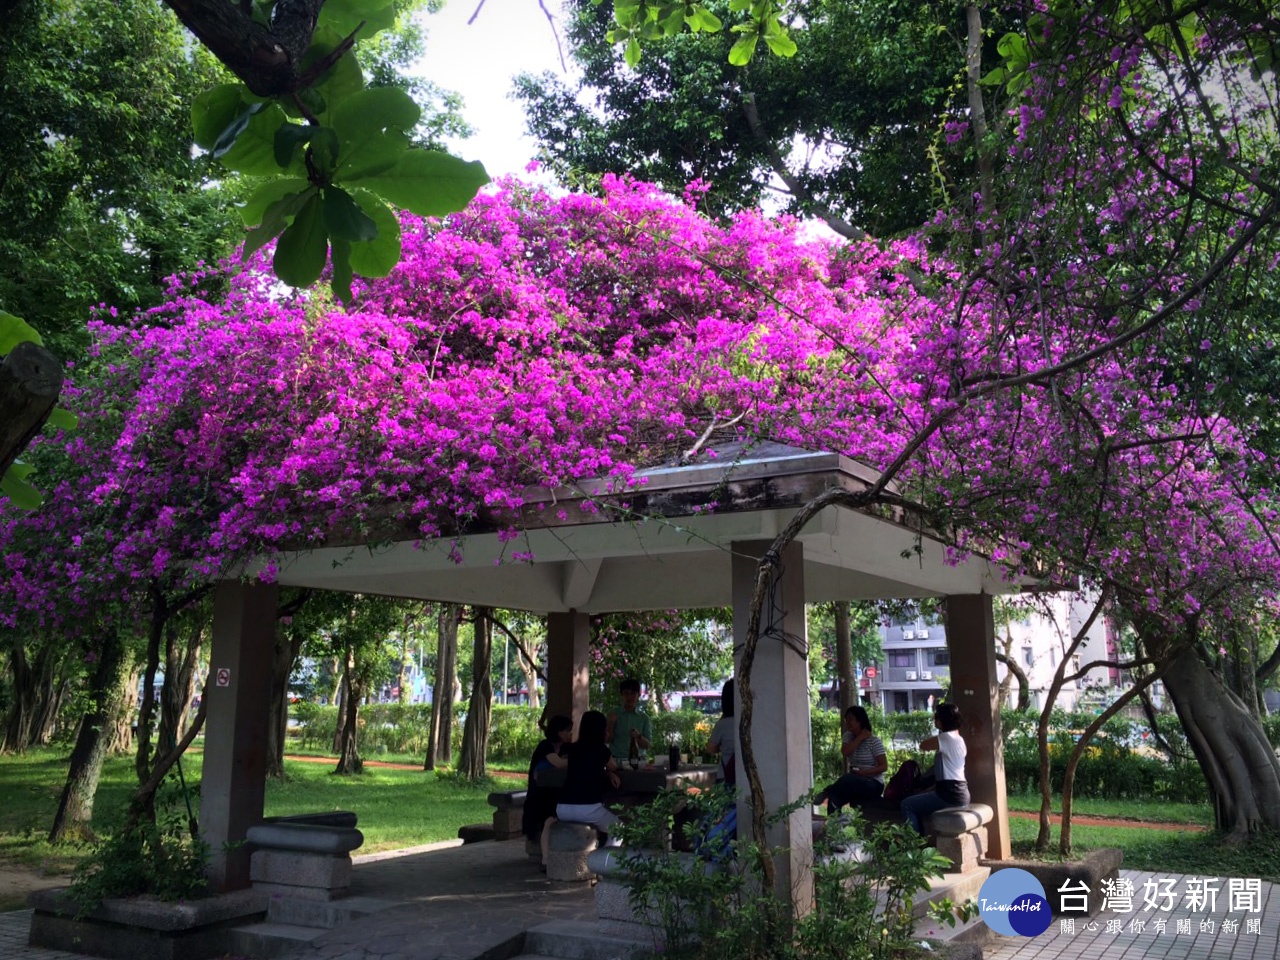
<point x="479" y="61"/>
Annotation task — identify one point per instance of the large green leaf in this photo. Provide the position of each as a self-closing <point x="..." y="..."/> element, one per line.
<point x="377" y="257"/>
<point x="345" y="16"/>
<point x="344" y="219"/>
<point x="267" y="193"/>
<point x="429" y="183"/>
<point x="371" y="156"/>
<point x="289" y="137"/>
<point x="342" y="80"/>
<point x="14" y="486"/>
<point x="63" y="419"/>
<point x="370" y="112"/>
<point x="275" y="218"/>
<point x="213" y="111"/>
<point x="14" y="330"/>
<point x="254" y="151"/>
<point x="340" y="253"/>
<point x="301" y="252"/>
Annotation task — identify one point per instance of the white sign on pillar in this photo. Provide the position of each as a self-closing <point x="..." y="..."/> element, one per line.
<point x="222" y="678"/>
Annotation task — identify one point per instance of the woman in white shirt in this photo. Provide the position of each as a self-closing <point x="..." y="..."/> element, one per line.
<point x="950" y="788"/>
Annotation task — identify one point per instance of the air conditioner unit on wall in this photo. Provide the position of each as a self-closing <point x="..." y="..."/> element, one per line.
<point x="911" y="674"/>
<point x="922" y="634"/>
<point x="926" y="674"/>
<point x="908" y="634"/>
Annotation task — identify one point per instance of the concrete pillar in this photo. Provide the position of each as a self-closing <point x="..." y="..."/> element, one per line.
<point x="976" y="691"/>
<point x="568" y="649"/>
<point x="780" y="714"/>
<point x="234" y="779"/>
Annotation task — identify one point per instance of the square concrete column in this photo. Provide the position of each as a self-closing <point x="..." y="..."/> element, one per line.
<point x="234" y="780"/>
<point x="568" y="650"/>
<point x="780" y="714"/>
<point x="976" y="691"/>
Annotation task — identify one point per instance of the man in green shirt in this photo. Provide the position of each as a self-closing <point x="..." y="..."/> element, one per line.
<point x="629" y="724"/>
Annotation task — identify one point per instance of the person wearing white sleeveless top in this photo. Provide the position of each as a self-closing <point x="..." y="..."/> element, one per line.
<point x="950" y="788"/>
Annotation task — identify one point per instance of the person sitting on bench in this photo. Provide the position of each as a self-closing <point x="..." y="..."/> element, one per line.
<point x="950" y="789"/>
<point x="867" y="764"/>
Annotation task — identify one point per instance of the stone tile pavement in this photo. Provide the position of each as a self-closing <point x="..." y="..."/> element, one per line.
<point x="458" y="902"/>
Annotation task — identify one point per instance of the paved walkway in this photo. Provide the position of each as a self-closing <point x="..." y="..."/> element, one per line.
<point x="457" y="903"/>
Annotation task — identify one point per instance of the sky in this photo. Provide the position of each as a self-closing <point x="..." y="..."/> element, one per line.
<point x="479" y="62"/>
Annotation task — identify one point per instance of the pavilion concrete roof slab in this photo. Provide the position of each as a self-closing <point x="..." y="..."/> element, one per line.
<point x="664" y="544"/>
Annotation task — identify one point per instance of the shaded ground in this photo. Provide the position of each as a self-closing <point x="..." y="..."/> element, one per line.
<point x="16" y="881"/>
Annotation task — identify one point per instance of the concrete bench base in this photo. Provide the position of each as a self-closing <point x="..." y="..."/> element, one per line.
<point x="618" y="916"/>
<point x="508" y="814"/>
<point x="962" y="834"/>
<point x="567" y="850"/>
<point x="307" y="857"/>
<point x="143" y="928"/>
<point x="1076" y="876"/>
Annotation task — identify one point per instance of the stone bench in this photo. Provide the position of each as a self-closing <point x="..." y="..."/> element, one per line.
<point x="568" y="847"/>
<point x="962" y="834"/>
<point x="508" y="814"/>
<point x="306" y="856"/>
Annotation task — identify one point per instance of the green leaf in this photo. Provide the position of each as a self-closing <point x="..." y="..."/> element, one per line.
<point x="673" y="22"/>
<point x="994" y="78"/>
<point x="20" y="493"/>
<point x="703" y="19"/>
<point x="324" y="153"/>
<point x="344" y="219"/>
<point x="213" y="111"/>
<point x="287" y="140"/>
<point x="345" y="16"/>
<point x="301" y="252"/>
<point x="275" y="219"/>
<point x="740" y="53"/>
<point x="373" y="155"/>
<point x="781" y="44"/>
<point x="63" y="419"/>
<point x="632" y="53"/>
<point x="377" y="257"/>
<point x="342" y="80"/>
<point x="342" y="275"/>
<point x="269" y="192"/>
<point x="370" y="112"/>
<point x="429" y="183"/>
<point x="14" y="330"/>
<point x="737" y="6"/>
<point x="253" y="152"/>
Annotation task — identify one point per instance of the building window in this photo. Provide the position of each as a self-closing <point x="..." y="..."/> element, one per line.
<point x="939" y="658"/>
<point x="1028" y="657"/>
<point x="903" y="659"/>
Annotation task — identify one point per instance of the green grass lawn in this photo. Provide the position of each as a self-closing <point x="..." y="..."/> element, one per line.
<point x="1143" y="810"/>
<point x="397" y="808"/>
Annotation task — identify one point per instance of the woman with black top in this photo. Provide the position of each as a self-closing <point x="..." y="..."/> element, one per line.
<point x="540" y="802"/>
<point x="591" y="768"/>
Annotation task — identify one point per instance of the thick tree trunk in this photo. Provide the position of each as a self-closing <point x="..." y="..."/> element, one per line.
<point x="440" y="737"/>
<point x="530" y="672"/>
<point x="179" y="690"/>
<point x="17" y="725"/>
<point x="349" y="761"/>
<point x="38" y="690"/>
<point x="844" y="657"/>
<point x="475" y="734"/>
<point x="30" y="381"/>
<point x="52" y="693"/>
<point x="122" y="734"/>
<point x="1238" y="761"/>
<point x="340" y="724"/>
<point x="75" y="808"/>
<point x="1014" y="671"/>
<point x="160" y="613"/>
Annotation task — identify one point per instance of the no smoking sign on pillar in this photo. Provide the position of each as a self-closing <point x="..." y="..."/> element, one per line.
<point x="223" y="677"/>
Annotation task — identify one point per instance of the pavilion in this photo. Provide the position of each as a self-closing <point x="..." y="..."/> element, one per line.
<point x="688" y="535"/>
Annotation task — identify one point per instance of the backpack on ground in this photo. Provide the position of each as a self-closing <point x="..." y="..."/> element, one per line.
<point x="902" y="783"/>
